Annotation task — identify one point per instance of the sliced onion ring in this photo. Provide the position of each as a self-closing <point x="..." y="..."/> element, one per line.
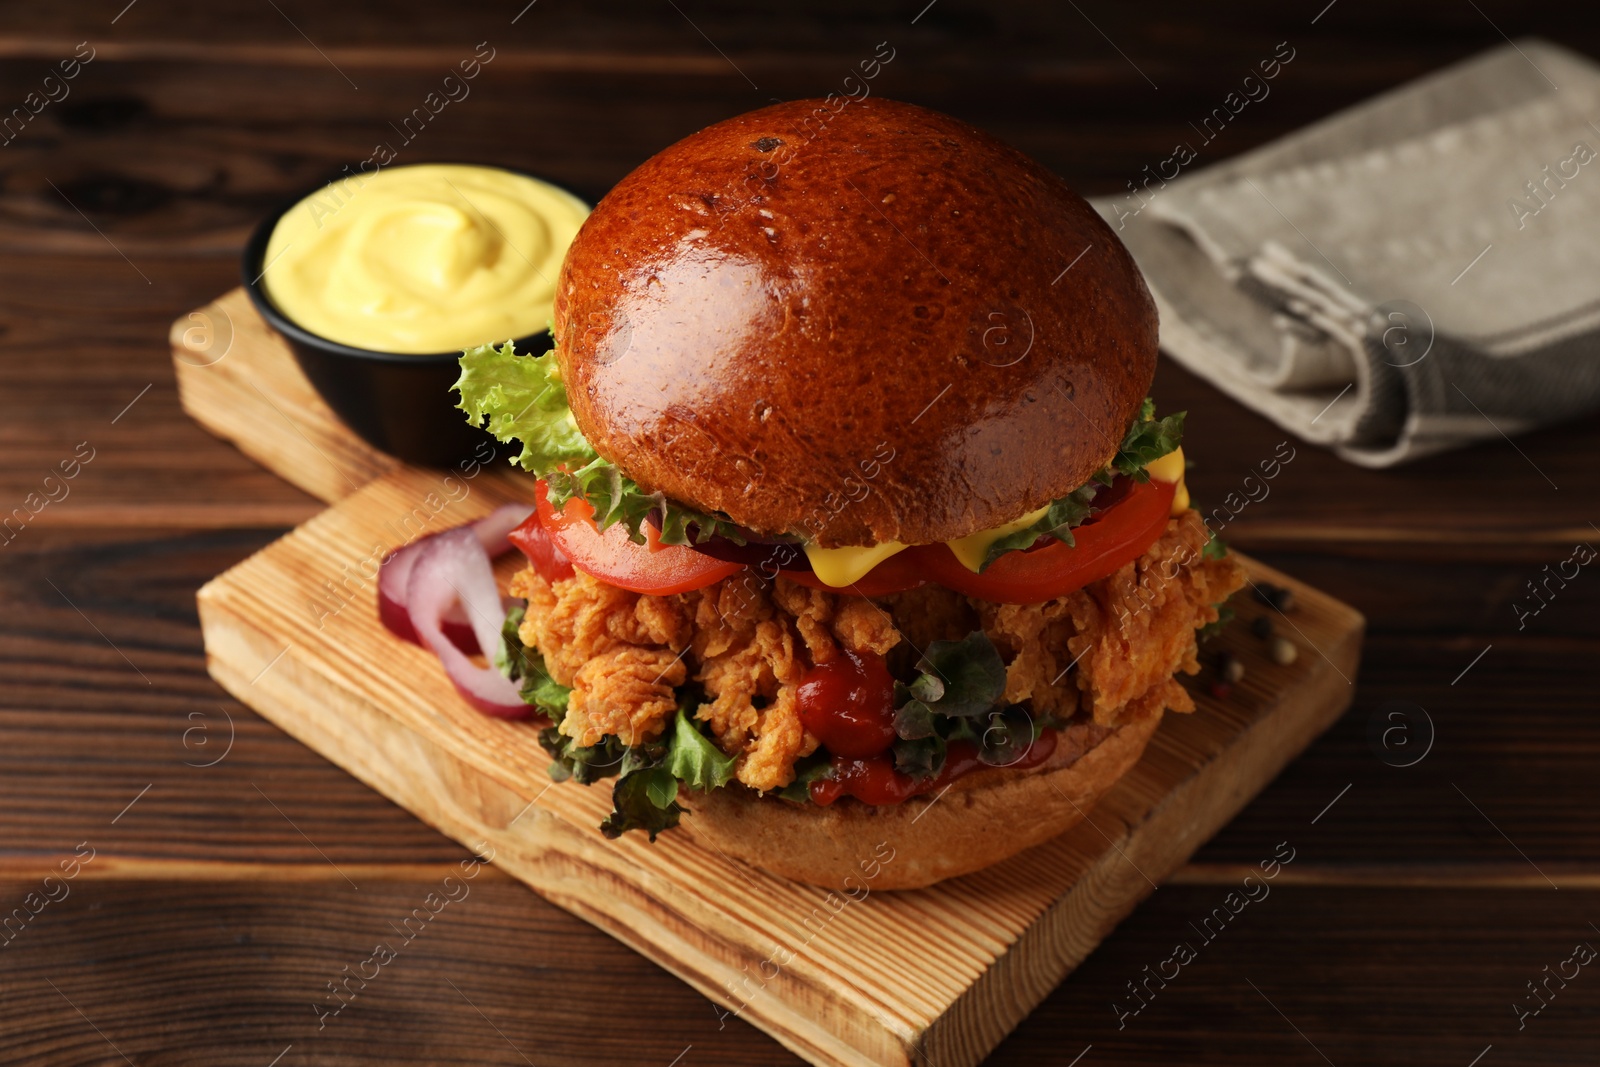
<point x="450" y="567"/>
<point x="395" y="576"/>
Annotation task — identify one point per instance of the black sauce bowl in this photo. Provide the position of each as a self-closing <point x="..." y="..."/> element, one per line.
<point x="398" y="403"/>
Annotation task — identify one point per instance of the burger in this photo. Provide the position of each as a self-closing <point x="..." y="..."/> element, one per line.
<point x="860" y="548"/>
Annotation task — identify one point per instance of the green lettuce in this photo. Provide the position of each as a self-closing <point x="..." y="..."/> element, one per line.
<point x="694" y="760"/>
<point x="959" y="679"/>
<point x="617" y="498"/>
<point x="645" y="796"/>
<point x="521" y="398"/>
<point x="1146" y="441"/>
<point x="526" y="667"/>
<point x="646" y="800"/>
<point x="958" y="697"/>
<point x="1071" y="510"/>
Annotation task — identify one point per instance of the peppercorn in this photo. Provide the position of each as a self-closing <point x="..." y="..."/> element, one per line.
<point x="1261" y="626"/>
<point x="1220" y="690"/>
<point x="1230" y="668"/>
<point x="1282" y="650"/>
<point x="1276" y="596"/>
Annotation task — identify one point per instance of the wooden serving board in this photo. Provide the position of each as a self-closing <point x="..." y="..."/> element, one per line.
<point x="936" y="976"/>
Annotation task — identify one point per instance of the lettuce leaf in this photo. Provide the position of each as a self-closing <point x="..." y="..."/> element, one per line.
<point x="584" y="765"/>
<point x="1071" y="510"/>
<point x="525" y="666"/>
<point x="521" y="398"/>
<point x="694" y="760"/>
<point x="617" y="498"/>
<point x="645" y="796"/>
<point x="643" y="800"/>
<point x="1147" y="440"/>
<point x="960" y="679"/>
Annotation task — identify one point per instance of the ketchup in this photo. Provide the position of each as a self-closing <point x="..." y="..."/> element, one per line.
<point x="848" y="705"/>
<point x="873" y="779"/>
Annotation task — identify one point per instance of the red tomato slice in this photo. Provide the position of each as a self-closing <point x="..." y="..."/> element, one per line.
<point x="1114" y="537"/>
<point x="608" y="555"/>
<point x="533" y="541"/>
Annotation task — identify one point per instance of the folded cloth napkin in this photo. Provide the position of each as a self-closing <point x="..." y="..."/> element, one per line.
<point x="1411" y="275"/>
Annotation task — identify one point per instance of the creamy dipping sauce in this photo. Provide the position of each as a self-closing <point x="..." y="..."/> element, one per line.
<point x="423" y="259"/>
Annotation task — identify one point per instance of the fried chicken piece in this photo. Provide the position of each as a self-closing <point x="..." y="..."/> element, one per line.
<point x="1033" y="640"/>
<point x="620" y="652"/>
<point x="753" y="711"/>
<point x="628" y="692"/>
<point x="1137" y="627"/>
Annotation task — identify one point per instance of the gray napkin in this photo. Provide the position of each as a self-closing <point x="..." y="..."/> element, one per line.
<point x="1411" y="275"/>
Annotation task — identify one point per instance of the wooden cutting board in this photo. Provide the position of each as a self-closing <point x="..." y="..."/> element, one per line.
<point x="933" y="976"/>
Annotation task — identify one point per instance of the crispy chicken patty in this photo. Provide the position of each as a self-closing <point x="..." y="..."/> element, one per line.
<point x="1104" y="653"/>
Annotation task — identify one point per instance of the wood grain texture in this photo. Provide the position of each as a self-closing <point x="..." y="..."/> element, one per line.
<point x="261" y="401"/>
<point x="860" y="988"/>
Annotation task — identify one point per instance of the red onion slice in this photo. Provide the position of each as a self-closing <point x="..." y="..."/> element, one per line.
<point x="394" y="577"/>
<point x="451" y="567"/>
<point x="495" y="527"/>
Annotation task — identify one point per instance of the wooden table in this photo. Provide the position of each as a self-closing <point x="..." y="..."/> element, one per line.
<point x="230" y="883"/>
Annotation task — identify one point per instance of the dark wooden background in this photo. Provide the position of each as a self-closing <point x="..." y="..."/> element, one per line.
<point x="219" y="904"/>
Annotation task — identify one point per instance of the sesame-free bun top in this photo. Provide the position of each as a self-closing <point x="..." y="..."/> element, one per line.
<point x="855" y="320"/>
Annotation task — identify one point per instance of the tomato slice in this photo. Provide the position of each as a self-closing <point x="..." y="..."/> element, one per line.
<point x="1112" y="538"/>
<point x="608" y="555"/>
<point x="533" y="541"/>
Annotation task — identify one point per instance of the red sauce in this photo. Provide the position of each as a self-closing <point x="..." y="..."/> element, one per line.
<point x="873" y="779"/>
<point x="848" y="705"/>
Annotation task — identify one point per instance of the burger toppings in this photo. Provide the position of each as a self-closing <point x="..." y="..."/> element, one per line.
<point x="818" y="696"/>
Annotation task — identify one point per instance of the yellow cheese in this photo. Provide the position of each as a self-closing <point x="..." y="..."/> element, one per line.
<point x="971" y="549"/>
<point x="1169" y="468"/>
<point x="842" y="567"/>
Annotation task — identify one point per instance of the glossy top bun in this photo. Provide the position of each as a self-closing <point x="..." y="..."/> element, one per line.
<point x="858" y="321"/>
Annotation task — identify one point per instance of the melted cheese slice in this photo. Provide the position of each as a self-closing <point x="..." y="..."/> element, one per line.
<point x="1169" y="468"/>
<point x="841" y="567"/>
<point x="971" y="549"/>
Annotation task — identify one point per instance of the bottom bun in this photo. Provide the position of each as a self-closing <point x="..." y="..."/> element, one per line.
<point x="982" y="818"/>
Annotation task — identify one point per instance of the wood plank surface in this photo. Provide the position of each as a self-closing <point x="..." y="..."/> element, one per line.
<point x="194" y="120"/>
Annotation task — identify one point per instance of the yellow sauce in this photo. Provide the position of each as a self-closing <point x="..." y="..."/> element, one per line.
<point x="423" y="259"/>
